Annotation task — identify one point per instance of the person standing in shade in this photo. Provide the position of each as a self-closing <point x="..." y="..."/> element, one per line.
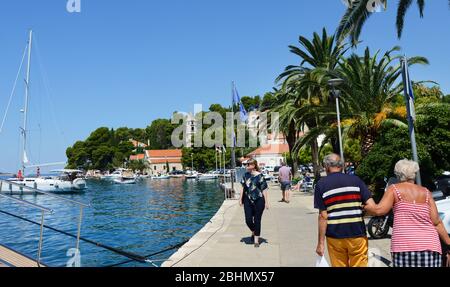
<point x="285" y="179"/>
<point x="339" y="198"/>
<point x="417" y="225"/>
<point x="254" y="198"/>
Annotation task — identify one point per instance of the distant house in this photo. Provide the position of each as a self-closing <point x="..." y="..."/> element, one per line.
<point x="159" y="159"/>
<point x="138" y="145"/>
<point x="270" y="154"/>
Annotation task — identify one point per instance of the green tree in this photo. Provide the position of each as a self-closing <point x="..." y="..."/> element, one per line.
<point x="159" y="134"/>
<point x="393" y="145"/>
<point x="138" y="165"/>
<point x="433" y="129"/>
<point x="446" y="99"/>
<point x="305" y="98"/>
<point x="104" y="149"/>
<point x="77" y="156"/>
<point x="251" y="103"/>
<point x="371" y="83"/>
<point x="268" y="101"/>
<point x="426" y="95"/>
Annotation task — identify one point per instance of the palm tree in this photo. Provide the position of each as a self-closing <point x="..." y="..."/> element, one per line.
<point x="305" y="93"/>
<point x="370" y="85"/>
<point x="287" y="121"/>
<point x="357" y="14"/>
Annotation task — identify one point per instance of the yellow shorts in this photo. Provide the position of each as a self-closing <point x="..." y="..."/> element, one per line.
<point x="350" y="252"/>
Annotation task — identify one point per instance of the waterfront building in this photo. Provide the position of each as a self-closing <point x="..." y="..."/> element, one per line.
<point x="158" y="160"/>
<point x="271" y="154"/>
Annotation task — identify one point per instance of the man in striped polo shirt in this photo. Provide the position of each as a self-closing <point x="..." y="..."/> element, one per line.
<point x="339" y="198"/>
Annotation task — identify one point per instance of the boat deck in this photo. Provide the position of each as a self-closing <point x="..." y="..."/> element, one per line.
<point x="11" y="258"/>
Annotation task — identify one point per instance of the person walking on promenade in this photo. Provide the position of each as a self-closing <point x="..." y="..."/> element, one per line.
<point x="254" y="198"/>
<point x="285" y="179"/>
<point x="339" y="198"/>
<point x="417" y="225"/>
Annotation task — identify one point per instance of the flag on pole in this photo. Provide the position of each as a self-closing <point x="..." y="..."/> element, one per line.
<point x="409" y="91"/>
<point x="237" y="100"/>
<point x="409" y="98"/>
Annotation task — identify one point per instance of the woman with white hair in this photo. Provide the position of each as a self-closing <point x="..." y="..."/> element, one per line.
<point x="417" y="225"/>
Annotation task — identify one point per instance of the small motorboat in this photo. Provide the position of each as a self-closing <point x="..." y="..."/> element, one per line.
<point x="161" y="177"/>
<point x="117" y="174"/>
<point x="191" y="175"/>
<point x="125" y="180"/>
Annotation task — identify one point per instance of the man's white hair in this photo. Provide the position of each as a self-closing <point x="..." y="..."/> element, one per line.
<point x="406" y="170"/>
<point x="333" y="160"/>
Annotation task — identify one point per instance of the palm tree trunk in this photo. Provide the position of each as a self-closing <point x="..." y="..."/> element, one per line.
<point x="315" y="158"/>
<point x="291" y="139"/>
<point x="367" y="143"/>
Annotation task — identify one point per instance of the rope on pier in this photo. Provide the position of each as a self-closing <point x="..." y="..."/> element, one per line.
<point x="130" y="255"/>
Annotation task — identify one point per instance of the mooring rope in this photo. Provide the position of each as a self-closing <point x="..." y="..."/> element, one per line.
<point x="130" y="255"/>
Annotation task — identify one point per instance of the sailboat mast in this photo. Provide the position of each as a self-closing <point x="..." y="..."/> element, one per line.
<point x="25" y="112"/>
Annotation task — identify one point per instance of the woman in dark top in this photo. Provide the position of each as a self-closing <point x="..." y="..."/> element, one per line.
<point x="254" y="198"/>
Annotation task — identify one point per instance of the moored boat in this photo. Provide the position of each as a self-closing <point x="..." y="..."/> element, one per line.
<point x="161" y="177"/>
<point x="207" y="176"/>
<point x="68" y="181"/>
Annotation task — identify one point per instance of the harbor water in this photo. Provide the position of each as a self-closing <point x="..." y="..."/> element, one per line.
<point x="142" y="218"/>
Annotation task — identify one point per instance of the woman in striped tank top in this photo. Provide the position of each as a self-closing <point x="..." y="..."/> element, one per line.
<point x="417" y="225"/>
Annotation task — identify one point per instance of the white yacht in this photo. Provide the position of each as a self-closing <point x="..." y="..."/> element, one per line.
<point x="68" y="181"/>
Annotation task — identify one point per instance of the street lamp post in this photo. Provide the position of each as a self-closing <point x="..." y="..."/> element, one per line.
<point x="334" y="83"/>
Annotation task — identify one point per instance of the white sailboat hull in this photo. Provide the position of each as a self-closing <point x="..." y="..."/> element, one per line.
<point x="44" y="184"/>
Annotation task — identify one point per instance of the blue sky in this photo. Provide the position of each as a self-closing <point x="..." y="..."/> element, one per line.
<point x="126" y="63"/>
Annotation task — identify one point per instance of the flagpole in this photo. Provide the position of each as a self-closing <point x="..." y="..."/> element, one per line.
<point x="233" y="154"/>
<point x="216" y="158"/>
<point x="407" y="89"/>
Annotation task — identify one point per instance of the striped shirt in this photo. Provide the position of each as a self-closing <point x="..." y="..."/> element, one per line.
<point x="413" y="228"/>
<point x="342" y="196"/>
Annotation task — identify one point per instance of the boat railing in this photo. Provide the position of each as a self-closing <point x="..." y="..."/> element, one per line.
<point x="42" y="209"/>
<point x="80" y="205"/>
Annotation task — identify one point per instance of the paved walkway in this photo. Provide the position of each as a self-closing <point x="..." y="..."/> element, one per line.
<point x="289" y="234"/>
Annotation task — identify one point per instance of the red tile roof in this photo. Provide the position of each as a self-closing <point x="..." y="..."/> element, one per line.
<point x="164" y="153"/>
<point x="137" y="157"/>
<point x="163" y="161"/>
<point x="270" y="149"/>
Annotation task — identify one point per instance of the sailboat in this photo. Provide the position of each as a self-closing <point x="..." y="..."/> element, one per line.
<point x="68" y="181"/>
